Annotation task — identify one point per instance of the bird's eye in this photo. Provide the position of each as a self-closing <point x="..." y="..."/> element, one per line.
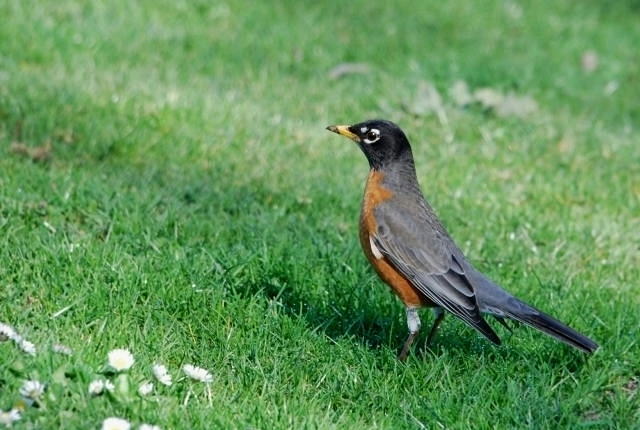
<point x="372" y="136"/>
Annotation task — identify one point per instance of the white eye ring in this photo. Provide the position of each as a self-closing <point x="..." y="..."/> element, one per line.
<point x="372" y="136"/>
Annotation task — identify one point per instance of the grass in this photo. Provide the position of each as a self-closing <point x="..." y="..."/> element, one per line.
<point x="193" y="209"/>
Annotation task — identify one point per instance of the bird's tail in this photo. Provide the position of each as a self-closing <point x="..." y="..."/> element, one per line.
<point x="497" y="301"/>
<point x="531" y="316"/>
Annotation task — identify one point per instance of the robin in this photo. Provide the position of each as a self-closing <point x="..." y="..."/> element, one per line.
<point x="411" y="251"/>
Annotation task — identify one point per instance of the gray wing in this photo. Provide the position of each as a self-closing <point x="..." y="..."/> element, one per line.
<point x="416" y="245"/>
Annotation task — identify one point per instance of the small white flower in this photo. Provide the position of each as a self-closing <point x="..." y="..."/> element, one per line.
<point x="7" y="331"/>
<point x="32" y="389"/>
<point x="98" y="386"/>
<point x="120" y="359"/>
<point x="9" y="417"/>
<point x="149" y="427"/>
<point x="61" y="349"/>
<point x="27" y="347"/>
<point x="197" y="373"/>
<point x="161" y="374"/>
<point x="114" y="423"/>
<point x="145" y="389"/>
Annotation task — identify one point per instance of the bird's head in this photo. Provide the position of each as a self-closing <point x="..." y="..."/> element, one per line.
<point x="382" y="142"/>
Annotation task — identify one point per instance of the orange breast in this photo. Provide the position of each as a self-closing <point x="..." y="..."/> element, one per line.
<point x="374" y="194"/>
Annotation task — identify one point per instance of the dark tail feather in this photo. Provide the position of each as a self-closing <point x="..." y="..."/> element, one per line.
<point x="539" y="320"/>
<point x="487" y="331"/>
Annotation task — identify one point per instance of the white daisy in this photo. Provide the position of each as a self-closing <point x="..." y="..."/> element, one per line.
<point x="98" y="386"/>
<point x="148" y="427"/>
<point x="9" y="417"/>
<point x="145" y="389"/>
<point x="114" y="423"/>
<point x="61" y="349"/>
<point x="32" y="389"/>
<point x="120" y="359"/>
<point x="6" y="331"/>
<point x="27" y="347"/>
<point x="197" y="373"/>
<point x="161" y="374"/>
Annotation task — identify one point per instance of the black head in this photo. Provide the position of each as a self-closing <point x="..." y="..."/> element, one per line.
<point x="382" y="141"/>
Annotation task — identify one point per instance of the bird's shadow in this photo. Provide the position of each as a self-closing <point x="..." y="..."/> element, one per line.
<point x="383" y="328"/>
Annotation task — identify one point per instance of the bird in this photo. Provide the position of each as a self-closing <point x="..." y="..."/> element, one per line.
<point x="412" y="252"/>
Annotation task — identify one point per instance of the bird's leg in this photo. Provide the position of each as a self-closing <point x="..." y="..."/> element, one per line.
<point x="438" y="314"/>
<point x="413" y="323"/>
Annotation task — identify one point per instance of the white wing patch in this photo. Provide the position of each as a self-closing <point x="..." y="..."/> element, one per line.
<point x="374" y="249"/>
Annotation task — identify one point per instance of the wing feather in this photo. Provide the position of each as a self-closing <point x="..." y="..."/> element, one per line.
<point x="425" y="255"/>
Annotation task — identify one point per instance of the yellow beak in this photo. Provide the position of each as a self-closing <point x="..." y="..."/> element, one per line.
<point x="344" y="131"/>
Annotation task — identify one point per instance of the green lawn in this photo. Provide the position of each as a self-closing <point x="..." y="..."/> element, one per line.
<point x="167" y="186"/>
